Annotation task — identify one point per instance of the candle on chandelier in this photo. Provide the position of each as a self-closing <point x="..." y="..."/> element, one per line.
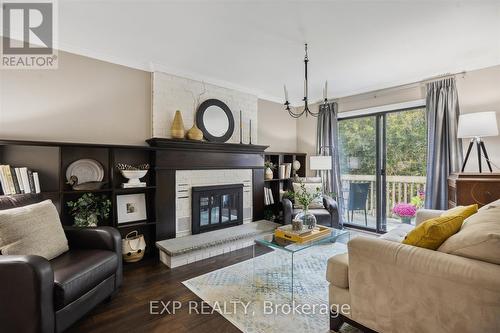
<point x="325" y="91"/>
<point x="286" y="92"/>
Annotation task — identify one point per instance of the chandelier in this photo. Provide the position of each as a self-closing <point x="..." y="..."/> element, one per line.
<point x="306" y="110"/>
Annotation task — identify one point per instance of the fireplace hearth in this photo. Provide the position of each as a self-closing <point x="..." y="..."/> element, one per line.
<point x="216" y="207"/>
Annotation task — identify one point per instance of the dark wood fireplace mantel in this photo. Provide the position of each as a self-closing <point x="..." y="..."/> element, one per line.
<point x="173" y="155"/>
<point x="173" y="144"/>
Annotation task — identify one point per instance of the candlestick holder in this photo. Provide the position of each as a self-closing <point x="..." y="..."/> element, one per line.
<point x="241" y="128"/>
<point x="250" y="131"/>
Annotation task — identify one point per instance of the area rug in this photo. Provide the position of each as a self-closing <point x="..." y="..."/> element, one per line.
<point x="255" y="295"/>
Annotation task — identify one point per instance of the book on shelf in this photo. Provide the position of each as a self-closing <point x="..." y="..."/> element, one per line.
<point x="268" y="196"/>
<point x="37" y="182"/>
<point x="282" y="171"/>
<point x="18" y="180"/>
<point x="26" y="182"/>
<point x="2" y="181"/>
<point x="288" y="170"/>
<point x="10" y="180"/>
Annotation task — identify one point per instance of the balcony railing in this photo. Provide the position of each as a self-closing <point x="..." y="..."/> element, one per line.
<point x="398" y="189"/>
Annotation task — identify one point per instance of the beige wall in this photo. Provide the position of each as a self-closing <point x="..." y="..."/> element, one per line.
<point x="276" y="128"/>
<point x="84" y="100"/>
<point x="478" y="91"/>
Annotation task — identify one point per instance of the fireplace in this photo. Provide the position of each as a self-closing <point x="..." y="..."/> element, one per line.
<point x="216" y="207"/>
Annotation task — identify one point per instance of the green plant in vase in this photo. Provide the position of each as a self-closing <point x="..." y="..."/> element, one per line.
<point x="89" y="209"/>
<point x="305" y="198"/>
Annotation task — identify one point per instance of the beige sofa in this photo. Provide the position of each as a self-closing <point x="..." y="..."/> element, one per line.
<point x="386" y="286"/>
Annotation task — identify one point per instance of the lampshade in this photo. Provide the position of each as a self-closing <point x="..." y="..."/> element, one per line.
<point x="320" y="162"/>
<point x="478" y="124"/>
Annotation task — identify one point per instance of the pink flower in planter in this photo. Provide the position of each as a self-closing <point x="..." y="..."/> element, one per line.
<point x="404" y="210"/>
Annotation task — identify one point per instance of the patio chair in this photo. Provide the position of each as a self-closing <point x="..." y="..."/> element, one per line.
<point x="358" y="195"/>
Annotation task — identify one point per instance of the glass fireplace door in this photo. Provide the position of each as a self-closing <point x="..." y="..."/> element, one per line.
<point x="215" y="207"/>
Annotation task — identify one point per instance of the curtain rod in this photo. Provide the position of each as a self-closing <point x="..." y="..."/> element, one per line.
<point x="404" y="86"/>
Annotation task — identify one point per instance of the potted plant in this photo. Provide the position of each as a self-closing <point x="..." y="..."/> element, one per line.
<point x="89" y="209"/>
<point x="305" y="198"/>
<point x="405" y="211"/>
<point x="269" y="166"/>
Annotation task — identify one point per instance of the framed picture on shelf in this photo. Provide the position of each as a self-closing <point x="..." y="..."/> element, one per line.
<point x="131" y="207"/>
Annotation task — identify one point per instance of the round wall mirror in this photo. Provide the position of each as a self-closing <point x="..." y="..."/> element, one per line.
<point x="215" y="120"/>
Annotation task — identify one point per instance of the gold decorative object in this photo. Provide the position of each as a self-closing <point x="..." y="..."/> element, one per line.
<point x="195" y="133"/>
<point x="177" y="130"/>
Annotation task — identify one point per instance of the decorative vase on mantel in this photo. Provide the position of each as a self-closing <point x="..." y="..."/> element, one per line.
<point x="177" y="130"/>
<point x="308" y="219"/>
<point x="195" y="133"/>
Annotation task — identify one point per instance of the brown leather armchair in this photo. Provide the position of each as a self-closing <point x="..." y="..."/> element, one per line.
<point x="38" y="295"/>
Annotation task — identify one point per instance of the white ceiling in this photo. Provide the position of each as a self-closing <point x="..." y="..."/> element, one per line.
<point x="256" y="46"/>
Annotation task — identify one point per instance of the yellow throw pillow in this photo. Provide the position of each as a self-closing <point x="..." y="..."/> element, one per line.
<point x="432" y="233"/>
<point x="464" y="211"/>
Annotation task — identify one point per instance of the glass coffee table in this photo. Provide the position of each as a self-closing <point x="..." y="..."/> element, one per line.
<point x="279" y="275"/>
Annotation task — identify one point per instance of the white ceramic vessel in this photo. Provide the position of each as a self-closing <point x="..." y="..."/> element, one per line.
<point x="134" y="176"/>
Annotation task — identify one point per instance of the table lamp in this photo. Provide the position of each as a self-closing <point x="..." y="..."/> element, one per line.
<point x="477" y="126"/>
<point x="320" y="162"/>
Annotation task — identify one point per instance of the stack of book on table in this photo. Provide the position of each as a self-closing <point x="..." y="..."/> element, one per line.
<point x="18" y="180"/>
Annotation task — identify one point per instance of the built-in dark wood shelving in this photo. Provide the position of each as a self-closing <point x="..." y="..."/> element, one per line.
<point x="102" y="190"/>
<point x="134" y="189"/>
<point x="282" y="184"/>
<point x="51" y="159"/>
<point x="165" y="157"/>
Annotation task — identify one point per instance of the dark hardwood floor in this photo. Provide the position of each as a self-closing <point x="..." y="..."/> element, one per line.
<point x="129" y="310"/>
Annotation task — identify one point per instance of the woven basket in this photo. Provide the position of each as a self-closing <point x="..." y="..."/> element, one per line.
<point x="133" y="247"/>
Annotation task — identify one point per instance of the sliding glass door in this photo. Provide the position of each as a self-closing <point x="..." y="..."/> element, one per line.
<point x="358" y="166"/>
<point x="383" y="160"/>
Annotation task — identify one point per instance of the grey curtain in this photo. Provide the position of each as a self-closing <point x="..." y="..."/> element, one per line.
<point x="327" y="144"/>
<point x="444" y="149"/>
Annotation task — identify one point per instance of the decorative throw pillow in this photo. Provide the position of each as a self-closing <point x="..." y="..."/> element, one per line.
<point x="464" y="211"/>
<point x="432" y="233"/>
<point x="33" y="229"/>
<point x="479" y="237"/>
<point x="310" y="188"/>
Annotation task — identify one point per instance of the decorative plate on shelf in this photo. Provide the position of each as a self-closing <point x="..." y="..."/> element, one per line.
<point x="86" y="170"/>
